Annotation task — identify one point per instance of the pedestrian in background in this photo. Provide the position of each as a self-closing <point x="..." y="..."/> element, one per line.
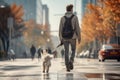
<point x="49" y="50"/>
<point x="25" y="54"/>
<point x="33" y="51"/>
<point x="90" y="52"/>
<point x="69" y="32"/>
<point x="39" y="53"/>
<point x="9" y="55"/>
<point x="12" y="54"/>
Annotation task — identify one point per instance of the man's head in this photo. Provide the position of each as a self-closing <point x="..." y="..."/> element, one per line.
<point x="69" y="7"/>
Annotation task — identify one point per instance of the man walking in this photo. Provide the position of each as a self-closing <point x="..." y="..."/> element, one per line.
<point x="69" y="32"/>
<point x="33" y="51"/>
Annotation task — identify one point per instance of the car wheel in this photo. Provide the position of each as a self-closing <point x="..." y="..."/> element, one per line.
<point x="100" y="58"/>
<point x="118" y="60"/>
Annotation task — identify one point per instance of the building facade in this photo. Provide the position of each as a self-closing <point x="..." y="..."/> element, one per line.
<point x="45" y="14"/>
<point x="39" y="12"/>
<point x="84" y="4"/>
<point x="32" y="9"/>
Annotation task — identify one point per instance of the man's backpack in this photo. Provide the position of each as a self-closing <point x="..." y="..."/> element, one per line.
<point x="67" y="30"/>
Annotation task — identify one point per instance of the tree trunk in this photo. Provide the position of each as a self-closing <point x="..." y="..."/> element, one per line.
<point x="5" y="42"/>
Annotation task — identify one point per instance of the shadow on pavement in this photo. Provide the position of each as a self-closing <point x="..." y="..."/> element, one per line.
<point x="16" y="67"/>
<point x="21" y="75"/>
<point x="69" y="76"/>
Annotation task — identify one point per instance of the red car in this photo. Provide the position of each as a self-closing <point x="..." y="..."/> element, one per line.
<point x="109" y="52"/>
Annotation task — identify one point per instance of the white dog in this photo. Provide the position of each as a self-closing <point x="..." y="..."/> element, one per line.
<point x="46" y="61"/>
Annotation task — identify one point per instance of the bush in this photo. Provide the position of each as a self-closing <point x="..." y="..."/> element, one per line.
<point x="2" y="55"/>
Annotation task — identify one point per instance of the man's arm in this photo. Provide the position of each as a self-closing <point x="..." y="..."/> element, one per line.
<point x="78" y="31"/>
<point x="60" y="30"/>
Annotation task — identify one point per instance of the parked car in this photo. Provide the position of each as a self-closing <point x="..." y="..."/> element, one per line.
<point x="109" y="51"/>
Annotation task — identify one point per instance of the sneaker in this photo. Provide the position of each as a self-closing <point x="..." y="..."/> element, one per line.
<point x="47" y="71"/>
<point x="68" y="70"/>
<point x="71" y="65"/>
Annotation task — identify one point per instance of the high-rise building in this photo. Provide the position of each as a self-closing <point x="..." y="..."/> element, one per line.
<point x="45" y="14"/>
<point x="32" y="9"/>
<point x="83" y="7"/>
<point x="39" y="12"/>
<point x="84" y="4"/>
<point x="2" y="2"/>
<point x="93" y="1"/>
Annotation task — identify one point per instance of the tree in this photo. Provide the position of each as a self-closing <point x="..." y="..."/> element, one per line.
<point x="101" y="21"/>
<point x="16" y="12"/>
<point x="35" y="34"/>
<point x="92" y="24"/>
<point x="111" y="14"/>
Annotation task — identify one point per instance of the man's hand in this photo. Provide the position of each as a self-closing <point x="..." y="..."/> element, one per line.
<point x="61" y="41"/>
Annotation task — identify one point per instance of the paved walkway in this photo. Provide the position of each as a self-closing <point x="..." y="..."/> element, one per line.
<point x="26" y="69"/>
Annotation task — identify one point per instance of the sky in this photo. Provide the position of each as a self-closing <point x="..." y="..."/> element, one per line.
<point x="57" y="9"/>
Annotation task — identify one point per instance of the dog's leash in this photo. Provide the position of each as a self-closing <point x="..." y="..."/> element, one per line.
<point x="57" y="47"/>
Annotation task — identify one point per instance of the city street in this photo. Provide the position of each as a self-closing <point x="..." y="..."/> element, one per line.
<point x="85" y="29"/>
<point x="84" y="69"/>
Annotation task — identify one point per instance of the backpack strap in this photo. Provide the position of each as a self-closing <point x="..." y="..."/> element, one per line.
<point x="70" y="17"/>
<point x="66" y="18"/>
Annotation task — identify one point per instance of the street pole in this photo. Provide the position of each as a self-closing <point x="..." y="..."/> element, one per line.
<point x="10" y="26"/>
<point x="75" y="1"/>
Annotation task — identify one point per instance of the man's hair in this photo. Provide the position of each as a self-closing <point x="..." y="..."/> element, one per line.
<point x="69" y="7"/>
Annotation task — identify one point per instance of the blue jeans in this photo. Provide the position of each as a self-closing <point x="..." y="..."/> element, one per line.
<point x="66" y="44"/>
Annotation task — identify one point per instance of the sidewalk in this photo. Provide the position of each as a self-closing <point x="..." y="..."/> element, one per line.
<point x="26" y="69"/>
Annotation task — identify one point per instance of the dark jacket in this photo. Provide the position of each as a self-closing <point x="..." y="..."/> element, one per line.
<point x="33" y="49"/>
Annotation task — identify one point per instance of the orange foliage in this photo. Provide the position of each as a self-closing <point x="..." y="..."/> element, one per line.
<point x="33" y="35"/>
<point x="114" y="6"/>
<point x="111" y="15"/>
<point x="101" y="21"/>
<point x="92" y="23"/>
<point x="17" y="12"/>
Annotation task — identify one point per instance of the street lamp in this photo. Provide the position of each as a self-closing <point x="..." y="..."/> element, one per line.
<point x="48" y="40"/>
<point x="42" y="32"/>
<point x="48" y="44"/>
<point x="2" y="6"/>
<point x="10" y="26"/>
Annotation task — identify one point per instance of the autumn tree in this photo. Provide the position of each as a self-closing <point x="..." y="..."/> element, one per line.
<point x="3" y="26"/>
<point x="101" y="21"/>
<point x="15" y="12"/>
<point x="36" y="34"/>
<point x="91" y="24"/>
<point x="111" y="15"/>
